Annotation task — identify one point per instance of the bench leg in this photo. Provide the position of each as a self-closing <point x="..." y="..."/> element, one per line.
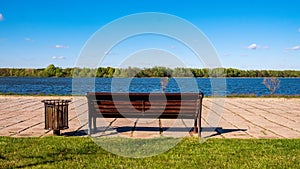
<point x="199" y="126"/>
<point x="199" y="118"/>
<point x="195" y="125"/>
<point x="89" y="124"/>
<point x="94" y="125"/>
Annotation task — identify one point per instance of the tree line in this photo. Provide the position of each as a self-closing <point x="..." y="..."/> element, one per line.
<point x="108" y="72"/>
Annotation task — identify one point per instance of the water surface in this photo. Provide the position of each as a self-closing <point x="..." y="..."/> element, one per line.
<point x="67" y="86"/>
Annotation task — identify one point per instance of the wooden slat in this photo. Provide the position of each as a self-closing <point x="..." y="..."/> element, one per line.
<point x="145" y="108"/>
<point x="146" y="112"/>
<point x="152" y="115"/>
<point x="147" y="102"/>
<point x="143" y="96"/>
<point x="129" y="108"/>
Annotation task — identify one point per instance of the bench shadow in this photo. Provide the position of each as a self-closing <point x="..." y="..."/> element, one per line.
<point x="173" y="129"/>
<point x="219" y="131"/>
<point x="215" y="131"/>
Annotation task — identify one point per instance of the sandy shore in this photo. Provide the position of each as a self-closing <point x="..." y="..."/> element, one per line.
<point x="23" y="116"/>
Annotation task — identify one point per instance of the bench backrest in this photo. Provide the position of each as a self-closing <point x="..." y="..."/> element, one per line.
<point x="145" y="105"/>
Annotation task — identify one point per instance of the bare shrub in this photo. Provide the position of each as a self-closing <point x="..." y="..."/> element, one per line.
<point x="272" y="83"/>
<point x="164" y="82"/>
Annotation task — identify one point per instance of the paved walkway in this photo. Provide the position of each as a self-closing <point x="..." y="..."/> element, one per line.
<point x="23" y="116"/>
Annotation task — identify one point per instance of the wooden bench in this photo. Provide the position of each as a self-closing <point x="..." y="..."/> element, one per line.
<point x="145" y="105"/>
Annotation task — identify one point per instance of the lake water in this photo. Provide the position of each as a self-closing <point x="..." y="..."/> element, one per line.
<point x="68" y="86"/>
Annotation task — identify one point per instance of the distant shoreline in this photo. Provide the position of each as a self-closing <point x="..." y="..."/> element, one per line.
<point x="108" y="72"/>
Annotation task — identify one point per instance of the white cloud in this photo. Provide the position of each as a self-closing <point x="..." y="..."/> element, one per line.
<point x="253" y="46"/>
<point x="58" y="57"/>
<point x="61" y="46"/>
<point x="1" y="17"/>
<point x="28" y="39"/>
<point x="293" y="48"/>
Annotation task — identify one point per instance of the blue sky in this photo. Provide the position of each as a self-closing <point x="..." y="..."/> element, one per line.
<point x="246" y="34"/>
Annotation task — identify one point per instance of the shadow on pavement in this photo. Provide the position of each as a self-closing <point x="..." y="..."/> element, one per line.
<point x="215" y="131"/>
<point x="219" y="131"/>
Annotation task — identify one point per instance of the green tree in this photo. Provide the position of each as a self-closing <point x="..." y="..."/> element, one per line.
<point x="50" y="71"/>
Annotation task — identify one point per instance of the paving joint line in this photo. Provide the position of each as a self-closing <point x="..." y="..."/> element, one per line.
<point x="251" y="121"/>
<point x="20" y="131"/>
<point x="77" y="106"/>
<point x="269" y="111"/>
<point x="12" y="111"/>
<point x="271" y="120"/>
<point x="282" y="109"/>
<point x="18" y="122"/>
<point x="240" y="117"/>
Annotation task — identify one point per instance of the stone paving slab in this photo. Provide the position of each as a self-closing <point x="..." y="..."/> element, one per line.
<point x="23" y="116"/>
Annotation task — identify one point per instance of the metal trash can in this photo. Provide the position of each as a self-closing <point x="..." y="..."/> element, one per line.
<point x="56" y="115"/>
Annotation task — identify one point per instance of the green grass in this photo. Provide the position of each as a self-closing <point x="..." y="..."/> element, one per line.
<point x="79" y="152"/>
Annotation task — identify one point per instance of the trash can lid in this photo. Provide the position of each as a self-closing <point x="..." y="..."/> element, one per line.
<point x="52" y="101"/>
